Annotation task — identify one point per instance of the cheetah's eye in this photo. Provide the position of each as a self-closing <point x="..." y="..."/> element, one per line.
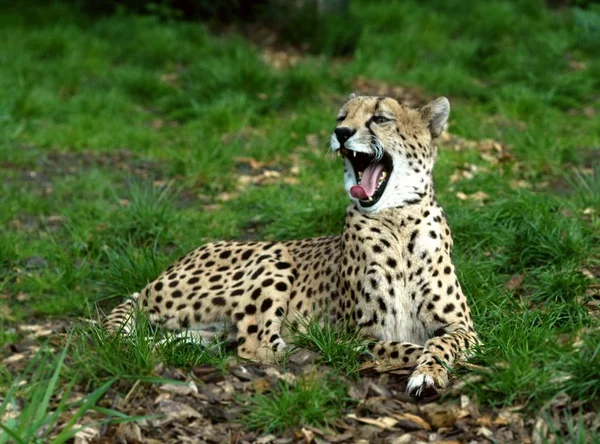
<point x="380" y="119"/>
<point x="340" y="118"/>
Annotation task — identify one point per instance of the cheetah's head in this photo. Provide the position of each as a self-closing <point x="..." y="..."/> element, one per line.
<point x="387" y="149"/>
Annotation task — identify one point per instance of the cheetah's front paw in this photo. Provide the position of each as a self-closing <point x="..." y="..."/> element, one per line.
<point x="270" y="353"/>
<point x="427" y="376"/>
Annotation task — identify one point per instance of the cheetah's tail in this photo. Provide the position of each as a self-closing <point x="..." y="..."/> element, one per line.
<point x="122" y="318"/>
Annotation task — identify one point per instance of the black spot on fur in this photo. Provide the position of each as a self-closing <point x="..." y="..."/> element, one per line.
<point x="256" y="294"/>
<point x="257" y="273"/>
<point x="266" y="305"/>
<point x="449" y="308"/>
<point x="219" y="301"/>
<point x="281" y="286"/>
<point x="246" y="255"/>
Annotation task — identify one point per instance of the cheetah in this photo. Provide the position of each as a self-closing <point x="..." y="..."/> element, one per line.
<point x="389" y="274"/>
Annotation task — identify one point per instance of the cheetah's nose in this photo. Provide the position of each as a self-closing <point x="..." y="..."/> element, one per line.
<point x="343" y="134"/>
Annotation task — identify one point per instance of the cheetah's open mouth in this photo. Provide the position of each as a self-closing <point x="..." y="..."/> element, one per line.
<point x="371" y="175"/>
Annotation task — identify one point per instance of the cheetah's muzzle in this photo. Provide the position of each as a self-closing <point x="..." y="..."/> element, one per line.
<point x="372" y="175"/>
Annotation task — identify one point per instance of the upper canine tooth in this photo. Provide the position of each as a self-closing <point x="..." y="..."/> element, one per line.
<point x="354" y="153"/>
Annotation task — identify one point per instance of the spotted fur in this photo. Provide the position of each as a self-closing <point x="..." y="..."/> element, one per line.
<point x="389" y="273"/>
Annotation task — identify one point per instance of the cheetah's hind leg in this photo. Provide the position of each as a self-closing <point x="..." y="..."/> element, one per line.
<point x="211" y="336"/>
<point x="122" y="318"/>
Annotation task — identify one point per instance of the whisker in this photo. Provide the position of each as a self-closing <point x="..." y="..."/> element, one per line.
<point x="377" y="147"/>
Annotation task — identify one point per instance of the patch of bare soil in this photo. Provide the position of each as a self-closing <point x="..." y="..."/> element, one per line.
<point x="59" y="164"/>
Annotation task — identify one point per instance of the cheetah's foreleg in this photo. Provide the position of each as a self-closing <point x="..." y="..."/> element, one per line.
<point x="439" y="355"/>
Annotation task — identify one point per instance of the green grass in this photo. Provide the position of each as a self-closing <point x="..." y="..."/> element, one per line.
<point x="337" y="345"/>
<point x="119" y="146"/>
<point x="310" y="401"/>
<point x="97" y="355"/>
<point x="27" y="405"/>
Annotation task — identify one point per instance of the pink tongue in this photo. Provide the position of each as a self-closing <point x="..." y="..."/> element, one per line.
<point x="368" y="182"/>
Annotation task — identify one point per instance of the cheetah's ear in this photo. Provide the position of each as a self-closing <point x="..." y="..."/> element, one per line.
<point x="436" y="115"/>
<point x="352" y="96"/>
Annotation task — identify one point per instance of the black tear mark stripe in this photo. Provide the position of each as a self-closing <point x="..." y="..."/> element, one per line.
<point x="379" y="99"/>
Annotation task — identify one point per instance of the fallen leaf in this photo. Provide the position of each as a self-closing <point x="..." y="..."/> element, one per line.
<point x="265" y="439"/>
<point x="506" y="417"/>
<point x="11" y="411"/>
<point x="404" y="439"/>
<point x="287" y="376"/>
<point x="180" y="389"/>
<point x="129" y="432"/>
<point x="405" y="419"/>
<point x="539" y="434"/>
<point x="478" y="196"/>
<point x="485" y="432"/>
<point x="576" y="65"/>
<point x="440" y="416"/>
<point x="174" y="411"/>
<point x="514" y="282"/>
<point x="308" y="435"/>
<point x="517" y="184"/>
<point x="281" y="59"/>
<point x="86" y="435"/>
<point x="262" y="385"/>
<point x="6" y="313"/>
<point x="385" y="422"/>
<point x="170" y="78"/>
